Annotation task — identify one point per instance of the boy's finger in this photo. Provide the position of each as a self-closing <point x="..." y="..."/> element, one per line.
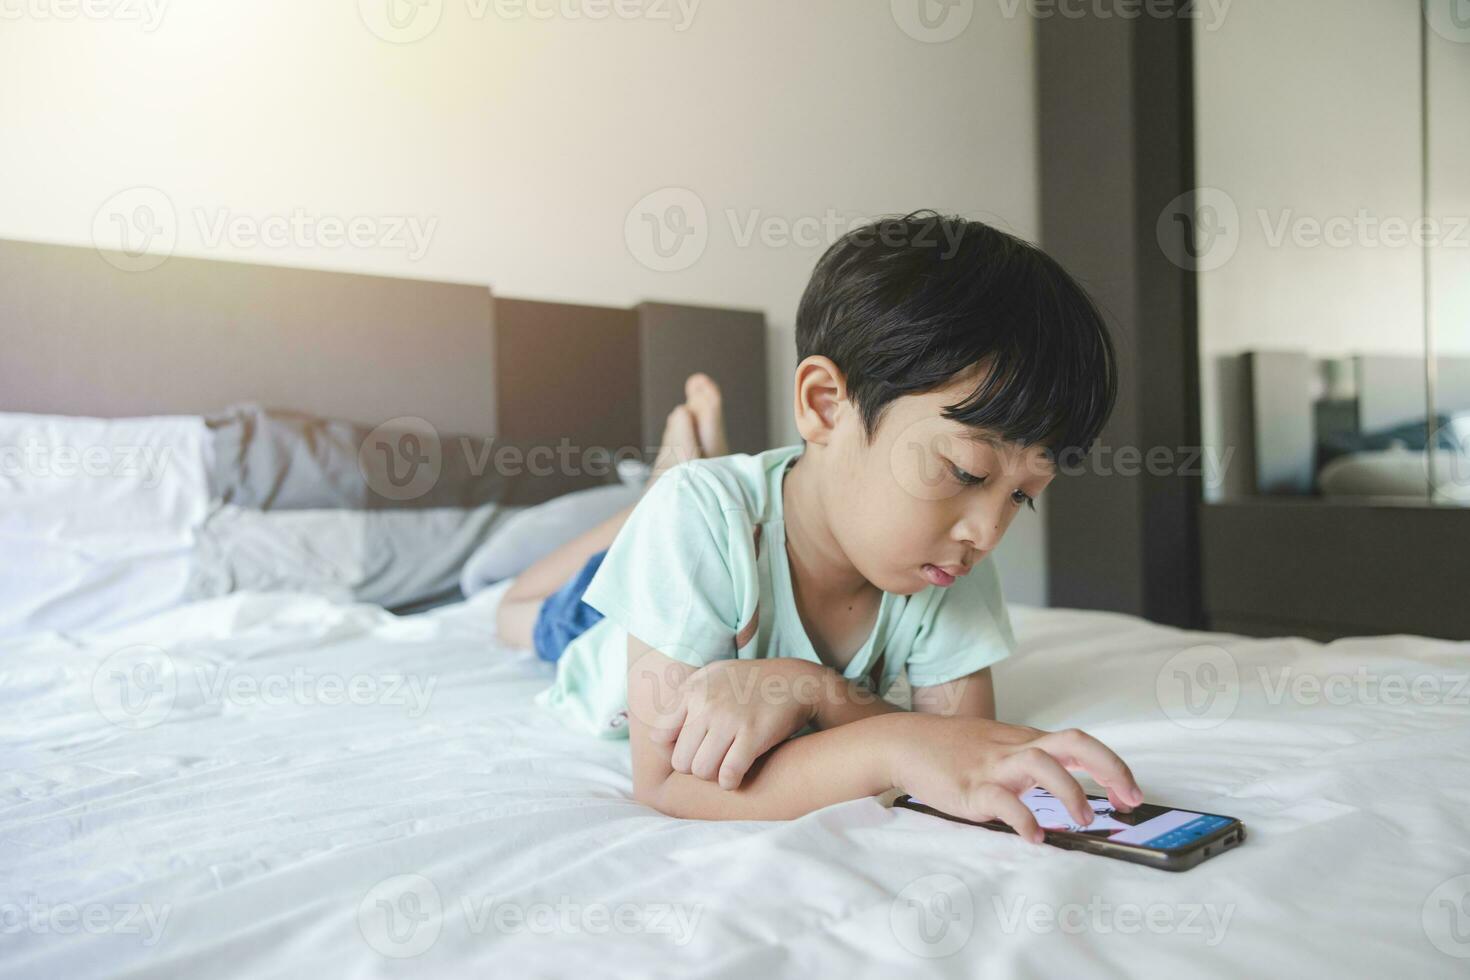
<point x="1079" y="750"/>
<point x="691" y="736"/>
<point x="1117" y="803"/>
<point x="996" y="802"/>
<point x="1042" y="770"/>
<point x="737" y="761"/>
<point x="710" y="756"/>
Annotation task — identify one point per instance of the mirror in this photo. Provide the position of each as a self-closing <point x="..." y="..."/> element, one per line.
<point x="1447" y="197"/>
<point x="1332" y="160"/>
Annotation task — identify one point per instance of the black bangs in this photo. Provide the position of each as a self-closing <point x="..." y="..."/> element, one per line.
<point x="909" y="304"/>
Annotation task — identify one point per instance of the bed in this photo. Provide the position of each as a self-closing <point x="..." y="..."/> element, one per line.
<point x="255" y="817"/>
<point x="297" y="783"/>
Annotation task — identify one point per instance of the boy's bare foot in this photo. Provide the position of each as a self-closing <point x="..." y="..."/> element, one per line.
<point x="680" y="441"/>
<point x="702" y="396"/>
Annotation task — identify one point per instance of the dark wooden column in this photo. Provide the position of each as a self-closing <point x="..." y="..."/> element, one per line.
<point x="1116" y="103"/>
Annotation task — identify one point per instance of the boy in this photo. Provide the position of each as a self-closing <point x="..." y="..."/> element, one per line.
<point x="944" y="367"/>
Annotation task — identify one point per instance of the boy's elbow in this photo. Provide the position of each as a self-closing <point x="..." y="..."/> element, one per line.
<point x="647" y="794"/>
<point x="666" y="799"/>
<point x="654" y="794"/>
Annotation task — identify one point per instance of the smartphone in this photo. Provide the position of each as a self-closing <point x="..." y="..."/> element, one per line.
<point x="1157" y="836"/>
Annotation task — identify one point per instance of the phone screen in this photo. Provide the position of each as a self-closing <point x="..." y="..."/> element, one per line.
<point x="1154" y="827"/>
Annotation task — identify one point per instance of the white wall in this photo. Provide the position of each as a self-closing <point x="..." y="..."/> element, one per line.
<point x="524" y="142"/>
<point x="1309" y="111"/>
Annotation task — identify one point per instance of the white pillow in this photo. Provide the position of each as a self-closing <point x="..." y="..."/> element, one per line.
<point x="1397" y="475"/>
<point x="1452" y="464"/>
<point x="97" y="517"/>
<point x="537" y="531"/>
<point x="1460" y="431"/>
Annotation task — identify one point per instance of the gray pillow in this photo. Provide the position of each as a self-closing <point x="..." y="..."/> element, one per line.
<point x="343" y="509"/>
<point x="281" y="460"/>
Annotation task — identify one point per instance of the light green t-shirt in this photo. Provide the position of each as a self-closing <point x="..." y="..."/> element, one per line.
<point x="688" y="572"/>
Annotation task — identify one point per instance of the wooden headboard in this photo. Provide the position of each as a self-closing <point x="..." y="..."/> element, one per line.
<point x="81" y="336"/>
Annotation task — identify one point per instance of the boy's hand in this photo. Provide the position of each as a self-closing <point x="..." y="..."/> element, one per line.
<point x="978" y="769"/>
<point x="731" y="712"/>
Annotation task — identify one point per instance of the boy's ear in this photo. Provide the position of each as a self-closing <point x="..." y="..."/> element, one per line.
<point x="821" y="396"/>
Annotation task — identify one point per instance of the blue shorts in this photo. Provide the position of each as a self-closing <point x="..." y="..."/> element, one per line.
<point x="563" y="615"/>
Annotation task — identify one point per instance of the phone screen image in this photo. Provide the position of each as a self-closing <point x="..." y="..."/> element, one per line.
<point x="1154" y="827"/>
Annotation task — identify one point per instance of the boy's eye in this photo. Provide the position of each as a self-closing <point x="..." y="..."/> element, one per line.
<point x="968" y="479"/>
<point x="1022" y="497"/>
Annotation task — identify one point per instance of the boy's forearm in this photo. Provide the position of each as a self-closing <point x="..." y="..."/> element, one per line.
<point x="847" y="762"/>
<point x="843" y="702"/>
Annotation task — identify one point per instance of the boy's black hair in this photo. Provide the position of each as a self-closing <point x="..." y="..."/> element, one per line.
<point x="904" y="305"/>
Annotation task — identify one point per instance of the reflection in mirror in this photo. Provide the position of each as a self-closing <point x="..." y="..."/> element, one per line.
<point x="1309" y="129"/>
<point x="1350" y="429"/>
<point x="1447" y="184"/>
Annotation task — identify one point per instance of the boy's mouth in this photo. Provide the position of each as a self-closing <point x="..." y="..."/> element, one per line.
<point x="943" y="576"/>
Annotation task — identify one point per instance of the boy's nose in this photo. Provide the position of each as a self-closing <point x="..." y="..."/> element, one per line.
<point x="977" y="535"/>
<point x="981" y="526"/>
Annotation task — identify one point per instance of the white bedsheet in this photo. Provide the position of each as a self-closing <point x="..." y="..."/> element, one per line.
<point x="250" y="829"/>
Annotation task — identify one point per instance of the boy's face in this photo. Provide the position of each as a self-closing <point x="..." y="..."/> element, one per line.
<point x="927" y="498"/>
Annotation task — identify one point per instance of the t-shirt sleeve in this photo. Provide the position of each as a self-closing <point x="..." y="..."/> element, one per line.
<point x="667" y="578"/>
<point x="966" y="630"/>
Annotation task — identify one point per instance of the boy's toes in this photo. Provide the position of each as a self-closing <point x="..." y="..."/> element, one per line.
<point x="700" y="391"/>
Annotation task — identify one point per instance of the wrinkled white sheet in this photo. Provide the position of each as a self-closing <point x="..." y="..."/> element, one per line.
<point x="284" y="807"/>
